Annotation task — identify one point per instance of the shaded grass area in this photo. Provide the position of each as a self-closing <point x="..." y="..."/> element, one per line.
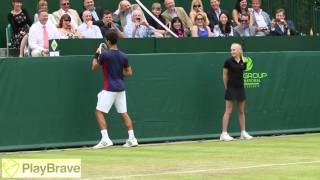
<point x="261" y="158"/>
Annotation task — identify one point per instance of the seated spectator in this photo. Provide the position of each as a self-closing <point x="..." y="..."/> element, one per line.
<point x="201" y="29"/>
<point x="40" y="33"/>
<point x="177" y="28"/>
<point x="124" y="13"/>
<point x="66" y="30"/>
<point x="87" y="29"/>
<point x="239" y="9"/>
<point x="65" y="9"/>
<point x="260" y="19"/>
<point x="20" y="22"/>
<point x="224" y="28"/>
<point x="173" y="11"/>
<point x="214" y="13"/>
<point x="245" y="29"/>
<point x="138" y="28"/>
<point x="96" y="12"/>
<point x="280" y="26"/>
<point x="196" y="6"/>
<point x="109" y="25"/>
<point x="156" y="11"/>
<point x="43" y="4"/>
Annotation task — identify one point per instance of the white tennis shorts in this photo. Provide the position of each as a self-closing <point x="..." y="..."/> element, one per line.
<point x="106" y="99"/>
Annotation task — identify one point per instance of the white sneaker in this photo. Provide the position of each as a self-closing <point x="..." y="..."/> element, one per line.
<point x="131" y="143"/>
<point x="245" y="135"/>
<point x="103" y="144"/>
<point x="225" y="137"/>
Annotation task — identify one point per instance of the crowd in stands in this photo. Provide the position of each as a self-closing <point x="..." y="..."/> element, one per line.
<point x="129" y="21"/>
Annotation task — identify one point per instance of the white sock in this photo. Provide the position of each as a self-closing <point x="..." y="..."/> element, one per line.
<point x="131" y="134"/>
<point x="104" y="134"/>
<point x="224" y="132"/>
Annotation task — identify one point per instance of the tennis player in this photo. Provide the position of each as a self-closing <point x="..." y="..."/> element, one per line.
<point x="115" y="66"/>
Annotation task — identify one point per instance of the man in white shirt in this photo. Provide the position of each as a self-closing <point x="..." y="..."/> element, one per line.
<point x="138" y="28"/>
<point x="260" y="19"/>
<point x="87" y="29"/>
<point x="65" y="9"/>
<point x="40" y="33"/>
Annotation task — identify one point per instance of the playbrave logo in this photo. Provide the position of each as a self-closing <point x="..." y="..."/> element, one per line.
<point x="252" y="79"/>
<point x="41" y="168"/>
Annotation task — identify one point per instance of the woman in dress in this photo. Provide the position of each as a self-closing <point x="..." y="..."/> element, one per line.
<point x="234" y="85"/>
<point x="65" y="28"/>
<point x="201" y="28"/>
<point x="20" y="22"/>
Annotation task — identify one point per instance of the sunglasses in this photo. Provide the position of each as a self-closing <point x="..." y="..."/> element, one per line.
<point x="67" y="20"/>
<point x="200" y="19"/>
<point x="196" y="6"/>
<point x="66" y="4"/>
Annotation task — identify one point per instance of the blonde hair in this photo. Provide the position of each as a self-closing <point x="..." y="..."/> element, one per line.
<point x="194" y="2"/>
<point x="239" y="47"/>
<point x="204" y="16"/>
<point x="156" y="5"/>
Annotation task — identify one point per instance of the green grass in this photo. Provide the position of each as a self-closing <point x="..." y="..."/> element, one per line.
<point x="261" y="158"/>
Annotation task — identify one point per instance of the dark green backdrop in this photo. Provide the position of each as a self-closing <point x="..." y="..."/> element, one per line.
<point x="50" y="102"/>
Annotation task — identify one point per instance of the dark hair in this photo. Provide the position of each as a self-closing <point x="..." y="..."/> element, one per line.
<point x="237" y="6"/>
<point x="64" y="17"/>
<point x="176" y="19"/>
<point x="112" y="37"/>
<point x="228" y="25"/>
<point x="281" y="10"/>
<point x="107" y="12"/>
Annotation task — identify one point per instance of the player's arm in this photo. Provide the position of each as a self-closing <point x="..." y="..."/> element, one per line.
<point x="225" y="77"/>
<point x="95" y="65"/>
<point x="127" y="71"/>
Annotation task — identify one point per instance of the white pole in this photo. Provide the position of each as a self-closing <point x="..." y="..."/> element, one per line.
<point x="156" y="19"/>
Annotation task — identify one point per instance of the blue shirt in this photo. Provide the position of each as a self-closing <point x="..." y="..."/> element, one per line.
<point x="113" y="62"/>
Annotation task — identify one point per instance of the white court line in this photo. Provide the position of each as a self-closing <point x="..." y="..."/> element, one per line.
<point x="202" y="170"/>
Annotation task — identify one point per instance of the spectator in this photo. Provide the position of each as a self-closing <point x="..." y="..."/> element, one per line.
<point x="65" y="9"/>
<point x="239" y="9"/>
<point x="201" y="29"/>
<point x="65" y="28"/>
<point x="224" y="28"/>
<point x="156" y="11"/>
<point x="96" y="12"/>
<point x="109" y="25"/>
<point x="173" y="11"/>
<point x="214" y="13"/>
<point x="245" y="29"/>
<point x="138" y="28"/>
<point x="177" y="27"/>
<point x="87" y="29"/>
<point x="280" y="26"/>
<point x="124" y="13"/>
<point x="196" y="6"/>
<point x="20" y="22"/>
<point x="40" y="33"/>
<point x="43" y="4"/>
<point x="260" y="19"/>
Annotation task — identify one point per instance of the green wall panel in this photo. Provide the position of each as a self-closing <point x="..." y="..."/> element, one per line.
<point x="50" y="102"/>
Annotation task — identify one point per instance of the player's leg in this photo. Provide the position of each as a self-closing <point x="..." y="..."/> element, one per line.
<point x="225" y="122"/>
<point x="105" y="101"/>
<point x="242" y="120"/>
<point x="121" y="106"/>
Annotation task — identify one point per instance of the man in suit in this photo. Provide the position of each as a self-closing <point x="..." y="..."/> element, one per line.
<point x="124" y="13"/>
<point x="281" y="27"/>
<point x="260" y="19"/>
<point x="244" y="29"/>
<point x="96" y="12"/>
<point x="214" y="13"/>
<point x="65" y="9"/>
<point x="173" y="11"/>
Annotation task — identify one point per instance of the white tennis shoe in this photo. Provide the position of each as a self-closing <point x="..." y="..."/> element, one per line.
<point x="225" y="137"/>
<point x="245" y="135"/>
<point x="131" y="142"/>
<point x="103" y="144"/>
